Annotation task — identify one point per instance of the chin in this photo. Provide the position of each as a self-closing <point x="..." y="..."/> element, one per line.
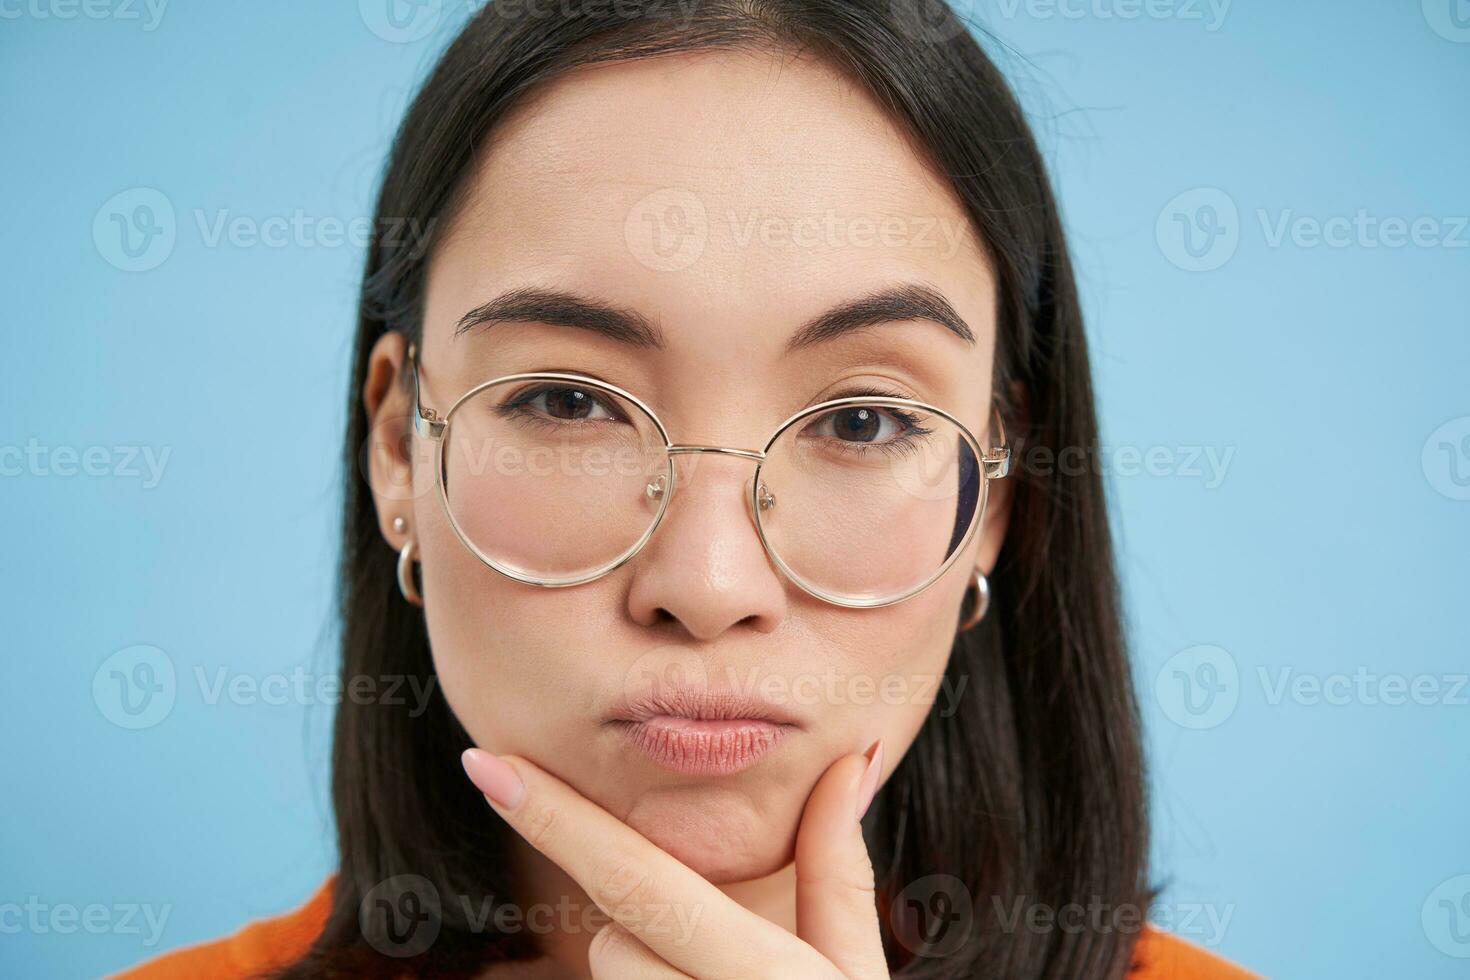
<point x="717" y="833"/>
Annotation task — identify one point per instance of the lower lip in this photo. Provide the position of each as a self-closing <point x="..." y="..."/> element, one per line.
<point x="704" y="748"/>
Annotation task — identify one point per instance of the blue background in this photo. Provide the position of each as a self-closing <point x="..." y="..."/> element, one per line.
<point x="1334" y="543"/>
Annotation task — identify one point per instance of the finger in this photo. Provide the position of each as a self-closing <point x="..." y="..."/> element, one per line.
<point x="674" y="911"/>
<point x="836" y="909"/>
<point x="617" y="954"/>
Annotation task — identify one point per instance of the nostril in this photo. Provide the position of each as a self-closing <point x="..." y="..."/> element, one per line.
<point x="662" y="615"/>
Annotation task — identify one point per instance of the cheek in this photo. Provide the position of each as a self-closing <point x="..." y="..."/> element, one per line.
<point x="508" y="655"/>
<point x="913" y="636"/>
<point x="884" y="669"/>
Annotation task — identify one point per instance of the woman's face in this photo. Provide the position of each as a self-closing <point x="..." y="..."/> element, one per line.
<point x="727" y="199"/>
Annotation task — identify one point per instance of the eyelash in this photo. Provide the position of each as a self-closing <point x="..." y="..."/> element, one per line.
<point x="515" y="408"/>
<point x="906" y="441"/>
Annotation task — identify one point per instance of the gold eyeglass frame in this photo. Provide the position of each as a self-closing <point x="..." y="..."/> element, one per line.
<point x="995" y="464"/>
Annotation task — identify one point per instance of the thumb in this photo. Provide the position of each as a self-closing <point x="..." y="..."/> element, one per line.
<point x="836" y="909"/>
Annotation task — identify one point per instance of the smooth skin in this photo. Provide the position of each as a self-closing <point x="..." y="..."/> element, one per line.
<point x="797" y="172"/>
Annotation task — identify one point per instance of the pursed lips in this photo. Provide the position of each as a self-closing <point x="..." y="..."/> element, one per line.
<point x="701" y="734"/>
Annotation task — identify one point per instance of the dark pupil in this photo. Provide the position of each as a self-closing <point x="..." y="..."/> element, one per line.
<point x="857" y="424"/>
<point x="568" y="403"/>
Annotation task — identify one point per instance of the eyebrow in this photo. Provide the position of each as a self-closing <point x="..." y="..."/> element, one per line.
<point x="566" y="309"/>
<point x="895" y="303"/>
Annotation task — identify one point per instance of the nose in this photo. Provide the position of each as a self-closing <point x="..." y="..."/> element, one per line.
<point x="704" y="568"/>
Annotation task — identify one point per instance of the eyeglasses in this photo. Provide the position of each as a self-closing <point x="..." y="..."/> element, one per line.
<point x="556" y="479"/>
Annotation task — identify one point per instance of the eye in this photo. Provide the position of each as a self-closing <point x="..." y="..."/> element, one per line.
<point x="859" y="431"/>
<point x="860" y="424"/>
<point x="563" y="403"/>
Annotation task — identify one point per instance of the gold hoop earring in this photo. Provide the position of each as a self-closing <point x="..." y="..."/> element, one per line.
<point x="405" y="574"/>
<point x="981" y="585"/>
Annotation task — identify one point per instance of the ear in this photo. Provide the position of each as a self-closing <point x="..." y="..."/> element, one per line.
<point x="1002" y="492"/>
<point x="387" y="455"/>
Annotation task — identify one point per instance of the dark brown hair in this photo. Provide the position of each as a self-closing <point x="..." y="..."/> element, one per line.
<point x="1032" y="793"/>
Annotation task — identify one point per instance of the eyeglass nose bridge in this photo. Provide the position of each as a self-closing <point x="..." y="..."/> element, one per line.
<point x="754" y="454"/>
<point x="763" y="499"/>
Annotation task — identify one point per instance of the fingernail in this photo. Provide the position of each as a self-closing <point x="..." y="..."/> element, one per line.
<point x="869" y="784"/>
<point x="493" y="776"/>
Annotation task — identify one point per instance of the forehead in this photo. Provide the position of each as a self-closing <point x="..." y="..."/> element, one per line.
<point x="727" y="195"/>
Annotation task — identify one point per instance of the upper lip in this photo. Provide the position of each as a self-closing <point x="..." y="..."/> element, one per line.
<point x="700" y="706"/>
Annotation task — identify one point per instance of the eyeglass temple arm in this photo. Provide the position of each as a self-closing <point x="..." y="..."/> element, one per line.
<point x="998" y="460"/>
<point x="426" y="421"/>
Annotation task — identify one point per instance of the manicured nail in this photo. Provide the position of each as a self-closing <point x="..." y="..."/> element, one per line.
<point x="493" y="776"/>
<point x="869" y="784"/>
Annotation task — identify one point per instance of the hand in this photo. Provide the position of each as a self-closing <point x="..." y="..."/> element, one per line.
<point x="630" y="879"/>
